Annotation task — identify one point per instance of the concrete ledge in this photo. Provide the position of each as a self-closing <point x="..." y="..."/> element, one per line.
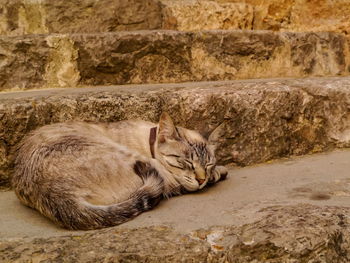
<point x="42" y="61"/>
<point x="256" y="120"/>
<point x="301" y="233"/>
<point x="295" y="210"/>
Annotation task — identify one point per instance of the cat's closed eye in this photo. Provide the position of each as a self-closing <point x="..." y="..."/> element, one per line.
<point x="173" y="155"/>
<point x="177" y="161"/>
<point x="172" y="160"/>
<point x="189" y="164"/>
<point x="115" y="174"/>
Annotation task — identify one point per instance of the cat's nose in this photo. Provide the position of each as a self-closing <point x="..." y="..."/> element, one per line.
<point x="200" y="181"/>
<point x="200" y="174"/>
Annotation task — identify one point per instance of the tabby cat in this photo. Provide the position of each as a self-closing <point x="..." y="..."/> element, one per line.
<point x="88" y="176"/>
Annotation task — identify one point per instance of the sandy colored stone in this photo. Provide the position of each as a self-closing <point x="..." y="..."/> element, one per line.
<point x="23" y="62"/>
<point x="192" y="15"/>
<point x="19" y="17"/>
<point x="41" y="61"/>
<point x="299" y="233"/>
<point x="264" y="54"/>
<point x="299" y="15"/>
<point x="62" y="68"/>
<point x="84" y="16"/>
<point x="276" y="15"/>
<point x="138" y="57"/>
<point x="319" y="179"/>
<point x="254" y="121"/>
<point x="262" y="213"/>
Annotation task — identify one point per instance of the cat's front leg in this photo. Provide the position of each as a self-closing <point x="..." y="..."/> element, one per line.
<point x="219" y="173"/>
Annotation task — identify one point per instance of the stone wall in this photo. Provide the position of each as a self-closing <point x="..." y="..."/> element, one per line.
<point x="254" y="121"/>
<point x="300" y="15"/>
<point x="48" y="61"/>
<point x="19" y="17"/>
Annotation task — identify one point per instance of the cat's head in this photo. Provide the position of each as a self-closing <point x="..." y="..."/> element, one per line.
<point x="187" y="155"/>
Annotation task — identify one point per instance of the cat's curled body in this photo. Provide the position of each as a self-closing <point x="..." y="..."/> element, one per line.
<point x="88" y="176"/>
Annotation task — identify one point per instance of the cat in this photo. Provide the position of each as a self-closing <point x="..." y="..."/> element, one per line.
<point x="95" y="175"/>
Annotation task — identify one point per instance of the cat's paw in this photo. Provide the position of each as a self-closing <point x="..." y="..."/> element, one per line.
<point x="219" y="173"/>
<point x="222" y="171"/>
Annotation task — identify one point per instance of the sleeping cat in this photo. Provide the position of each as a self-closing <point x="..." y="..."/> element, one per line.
<point x="89" y="176"/>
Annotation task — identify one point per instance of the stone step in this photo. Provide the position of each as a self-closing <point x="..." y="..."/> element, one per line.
<point x="277" y="15"/>
<point x="18" y="17"/>
<point x="296" y="210"/>
<point x="42" y="61"/>
<point x="255" y="120"/>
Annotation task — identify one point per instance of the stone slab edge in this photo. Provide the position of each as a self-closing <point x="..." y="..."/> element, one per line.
<point x="298" y="233"/>
<point x="139" y="57"/>
<point x="253" y="121"/>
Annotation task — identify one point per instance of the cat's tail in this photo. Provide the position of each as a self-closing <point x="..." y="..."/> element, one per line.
<point x="83" y="215"/>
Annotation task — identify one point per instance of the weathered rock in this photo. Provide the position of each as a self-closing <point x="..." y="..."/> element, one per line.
<point x="18" y="17"/>
<point x="255" y="120"/>
<point x="192" y="15"/>
<point x="23" y="62"/>
<point x="41" y="61"/>
<point x="300" y="233"/>
<point x="299" y="15"/>
<point x="277" y="15"/>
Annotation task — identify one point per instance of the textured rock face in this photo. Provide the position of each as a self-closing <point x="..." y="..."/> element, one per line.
<point x="300" y="233"/>
<point x="277" y="15"/>
<point x="191" y="15"/>
<point x="41" y="61"/>
<point x="254" y="121"/>
<point x="16" y="69"/>
<point x="300" y="15"/>
<point x="19" y="17"/>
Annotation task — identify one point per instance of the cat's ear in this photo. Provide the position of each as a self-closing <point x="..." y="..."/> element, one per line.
<point x="214" y="136"/>
<point x="167" y="128"/>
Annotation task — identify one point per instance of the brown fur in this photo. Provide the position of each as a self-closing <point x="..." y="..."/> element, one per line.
<point x="88" y="176"/>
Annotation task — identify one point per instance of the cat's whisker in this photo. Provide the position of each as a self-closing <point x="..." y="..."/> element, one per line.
<point x="95" y="175"/>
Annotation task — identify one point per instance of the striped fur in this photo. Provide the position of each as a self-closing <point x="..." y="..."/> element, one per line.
<point x="89" y="176"/>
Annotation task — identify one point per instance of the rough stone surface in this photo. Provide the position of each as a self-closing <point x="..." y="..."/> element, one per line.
<point x="41" y="61"/>
<point x="300" y="15"/>
<point x="254" y="121"/>
<point x="22" y="62"/>
<point x="300" y="233"/>
<point x="318" y="179"/>
<point x="277" y="15"/>
<point x="18" y="17"/>
<point x="292" y="210"/>
<point x="192" y="15"/>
